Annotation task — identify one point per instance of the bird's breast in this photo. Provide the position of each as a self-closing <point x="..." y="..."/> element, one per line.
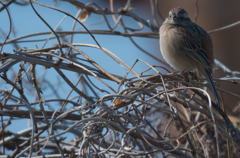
<point x="171" y="50"/>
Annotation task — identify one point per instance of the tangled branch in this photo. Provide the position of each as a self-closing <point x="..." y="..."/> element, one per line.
<point x="110" y="115"/>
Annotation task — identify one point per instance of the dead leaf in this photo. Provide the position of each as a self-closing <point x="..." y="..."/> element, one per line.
<point x="84" y="16"/>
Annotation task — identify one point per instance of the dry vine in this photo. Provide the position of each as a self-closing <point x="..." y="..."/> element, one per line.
<point x="168" y="115"/>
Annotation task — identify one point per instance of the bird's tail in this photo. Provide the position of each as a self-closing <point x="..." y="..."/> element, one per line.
<point x="208" y="75"/>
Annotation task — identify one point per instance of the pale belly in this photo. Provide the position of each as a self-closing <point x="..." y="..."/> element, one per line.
<point x="173" y="55"/>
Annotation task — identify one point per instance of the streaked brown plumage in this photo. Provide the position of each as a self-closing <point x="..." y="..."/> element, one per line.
<point x="186" y="46"/>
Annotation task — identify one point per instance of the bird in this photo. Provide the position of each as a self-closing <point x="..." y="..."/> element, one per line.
<point x="186" y="46"/>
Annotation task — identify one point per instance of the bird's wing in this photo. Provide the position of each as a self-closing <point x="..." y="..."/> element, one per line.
<point x="197" y="44"/>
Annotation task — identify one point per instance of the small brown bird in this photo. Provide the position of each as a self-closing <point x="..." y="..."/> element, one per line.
<point x="186" y="46"/>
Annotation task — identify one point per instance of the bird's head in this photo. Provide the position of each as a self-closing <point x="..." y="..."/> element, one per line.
<point x="178" y="16"/>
